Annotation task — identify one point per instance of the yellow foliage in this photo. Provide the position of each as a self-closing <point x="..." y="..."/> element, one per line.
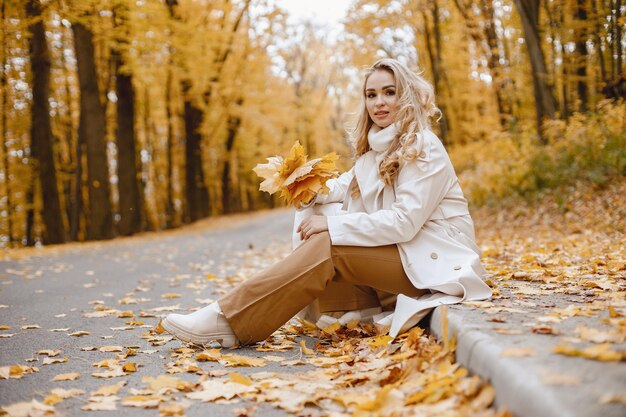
<point x="298" y="180"/>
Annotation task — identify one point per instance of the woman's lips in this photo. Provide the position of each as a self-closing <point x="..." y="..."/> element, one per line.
<point x="381" y="114"/>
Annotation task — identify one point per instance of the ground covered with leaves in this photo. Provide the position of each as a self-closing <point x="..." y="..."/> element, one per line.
<point x="570" y="246"/>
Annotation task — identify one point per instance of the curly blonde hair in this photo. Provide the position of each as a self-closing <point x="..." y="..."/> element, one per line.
<point x="416" y="107"/>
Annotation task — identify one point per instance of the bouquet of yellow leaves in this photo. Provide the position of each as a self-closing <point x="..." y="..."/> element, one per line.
<point x="298" y="180"/>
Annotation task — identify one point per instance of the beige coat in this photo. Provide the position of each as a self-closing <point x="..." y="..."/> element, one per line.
<point x="426" y="215"/>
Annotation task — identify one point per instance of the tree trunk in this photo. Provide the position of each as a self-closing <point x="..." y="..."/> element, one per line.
<point x="169" y="204"/>
<point x="196" y="191"/>
<point x="434" y="54"/>
<point x="41" y="131"/>
<point x="618" y="39"/>
<point x="493" y="52"/>
<point x="3" y="127"/>
<point x="231" y="201"/>
<point x="580" y="17"/>
<point x="544" y="99"/>
<point x="598" y="39"/>
<point x="91" y="131"/>
<point x="197" y="201"/>
<point x="130" y="204"/>
<point x="73" y="195"/>
<point x="493" y="62"/>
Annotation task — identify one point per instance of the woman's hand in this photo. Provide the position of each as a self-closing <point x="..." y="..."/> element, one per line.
<point x="311" y="226"/>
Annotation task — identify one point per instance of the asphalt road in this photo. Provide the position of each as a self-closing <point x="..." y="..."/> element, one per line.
<point x="54" y="288"/>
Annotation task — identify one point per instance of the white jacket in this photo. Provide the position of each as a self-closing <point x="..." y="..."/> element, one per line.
<point x="426" y="215"/>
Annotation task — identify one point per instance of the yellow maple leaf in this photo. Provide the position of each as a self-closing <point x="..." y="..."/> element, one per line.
<point x="108" y="390"/>
<point x="297" y="179"/>
<point x="305" y="349"/>
<point x="70" y="376"/>
<point x="240" y="379"/>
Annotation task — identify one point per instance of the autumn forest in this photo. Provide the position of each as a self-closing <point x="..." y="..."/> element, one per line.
<point x="124" y="116"/>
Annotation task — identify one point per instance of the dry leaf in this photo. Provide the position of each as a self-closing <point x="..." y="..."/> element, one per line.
<point x="59" y="394"/>
<point x="613" y="398"/>
<point x="27" y="409"/>
<point x="560" y="379"/>
<point x="305" y="349"/>
<point x="172" y="409"/>
<point x="240" y="379"/>
<point x="602" y="352"/>
<point x="240" y="360"/>
<point x="16" y="371"/>
<point x="101" y="404"/>
<point x="48" y="361"/>
<point x="79" y="333"/>
<point x="49" y="353"/>
<point x="518" y="352"/>
<point x="70" y="376"/>
<point x="142" y="401"/>
<point x="111" y="349"/>
<point x="165" y="383"/>
<point x="297" y="180"/>
<point x="213" y="389"/>
<point x="108" y="390"/>
<point x="170" y="295"/>
<point x="113" y="372"/>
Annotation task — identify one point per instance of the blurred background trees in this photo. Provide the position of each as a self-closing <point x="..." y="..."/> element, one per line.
<point x="122" y="116"/>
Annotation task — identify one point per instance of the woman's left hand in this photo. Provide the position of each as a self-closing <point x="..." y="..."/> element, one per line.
<point x="311" y="226"/>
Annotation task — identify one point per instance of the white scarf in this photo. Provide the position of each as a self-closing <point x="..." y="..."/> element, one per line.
<point x="375" y="195"/>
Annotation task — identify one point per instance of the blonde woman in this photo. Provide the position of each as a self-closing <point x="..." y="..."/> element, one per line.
<point x="395" y="227"/>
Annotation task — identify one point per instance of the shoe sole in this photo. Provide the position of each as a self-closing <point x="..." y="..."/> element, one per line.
<point x="197" y="339"/>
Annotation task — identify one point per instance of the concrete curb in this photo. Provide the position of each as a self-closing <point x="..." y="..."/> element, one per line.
<point x="517" y="382"/>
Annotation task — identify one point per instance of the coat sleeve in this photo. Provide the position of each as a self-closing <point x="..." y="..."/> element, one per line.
<point x="337" y="188"/>
<point x="421" y="186"/>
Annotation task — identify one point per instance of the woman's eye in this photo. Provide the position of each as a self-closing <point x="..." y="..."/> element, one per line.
<point x="370" y="95"/>
<point x="391" y="93"/>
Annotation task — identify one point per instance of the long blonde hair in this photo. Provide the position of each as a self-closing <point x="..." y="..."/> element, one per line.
<point x="416" y="107"/>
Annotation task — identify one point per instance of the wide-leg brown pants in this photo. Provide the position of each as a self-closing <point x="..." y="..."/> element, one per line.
<point x="263" y="303"/>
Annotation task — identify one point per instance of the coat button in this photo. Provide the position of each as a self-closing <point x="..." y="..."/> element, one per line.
<point x="456" y="268"/>
<point x="422" y="154"/>
<point x="434" y="255"/>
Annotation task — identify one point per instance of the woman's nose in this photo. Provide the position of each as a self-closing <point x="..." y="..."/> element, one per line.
<point x="379" y="100"/>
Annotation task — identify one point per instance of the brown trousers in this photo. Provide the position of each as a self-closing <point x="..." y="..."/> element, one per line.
<point x="266" y="301"/>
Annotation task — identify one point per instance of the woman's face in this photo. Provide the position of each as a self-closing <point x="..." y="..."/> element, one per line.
<point x="380" y="98"/>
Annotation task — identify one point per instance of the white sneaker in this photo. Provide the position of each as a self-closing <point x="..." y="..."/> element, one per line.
<point x="201" y="327"/>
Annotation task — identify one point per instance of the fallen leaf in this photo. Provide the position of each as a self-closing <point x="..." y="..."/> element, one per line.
<point x="49" y="361"/>
<point x="101" y="404"/>
<point x="27" y="409"/>
<point x="240" y="379"/>
<point x="601" y="352"/>
<point x="111" y="349"/>
<point x="16" y="371"/>
<point x="142" y="401"/>
<point x="49" y="353"/>
<point x="172" y="409"/>
<point x="518" y="352"/>
<point x="70" y="376"/>
<point x="165" y="383"/>
<point x="305" y="349"/>
<point x="108" y="390"/>
<point x="79" y="333"/>
<point x="560" y="379"/>
<point x="613" y="398"/>
<point x="213" y="389"/>
<point x="170" y="295"/>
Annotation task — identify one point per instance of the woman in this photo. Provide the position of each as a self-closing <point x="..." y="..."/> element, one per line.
<point x="404" y="229"/>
